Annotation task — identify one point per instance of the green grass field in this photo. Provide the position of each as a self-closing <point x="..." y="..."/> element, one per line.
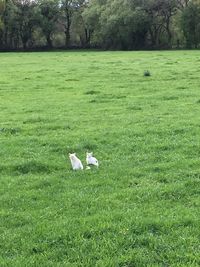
<point x="142" y="206"/>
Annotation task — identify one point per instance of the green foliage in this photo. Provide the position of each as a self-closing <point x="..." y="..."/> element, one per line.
<point x="2" y="9"/>
<point x="191" y="25"/>
<point x="49" y="11"/>
<point x="117" y="24"/>
<point x="11" y="28"/>
<point x="26" y="20"/>
<point x="108" y="24"/>
<point x="142" y="206"/>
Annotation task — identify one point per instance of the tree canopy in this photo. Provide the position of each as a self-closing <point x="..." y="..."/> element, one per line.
<point x="107" y="24"/>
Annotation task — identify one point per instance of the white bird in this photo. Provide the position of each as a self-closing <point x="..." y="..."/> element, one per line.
<point x="76" y="163"/>
<point x="90" y="160"/>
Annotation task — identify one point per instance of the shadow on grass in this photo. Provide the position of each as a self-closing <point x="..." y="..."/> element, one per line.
<point x="30" y="167"/>
<point x="92" y="92"/>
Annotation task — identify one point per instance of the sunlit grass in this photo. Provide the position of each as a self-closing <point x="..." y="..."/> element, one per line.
<point x="142" y="206"/>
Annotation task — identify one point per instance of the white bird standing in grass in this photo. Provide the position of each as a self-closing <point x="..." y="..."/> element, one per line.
<point x="76" y="163"/>
<point x="90" y="160"/>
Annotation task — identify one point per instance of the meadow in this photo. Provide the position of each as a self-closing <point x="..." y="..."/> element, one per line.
<point x="141" y="207"/>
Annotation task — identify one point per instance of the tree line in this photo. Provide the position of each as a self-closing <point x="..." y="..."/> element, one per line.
<point x="106" y="24"/>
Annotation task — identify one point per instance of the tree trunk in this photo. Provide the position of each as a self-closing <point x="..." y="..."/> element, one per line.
<point x="87" y="37"/>
<point x="169" y="34"/>
<point x="67" y="25"/>
<point x="5" y="36"/>
<point x="24" y="45"/>
<point x="154" y="39"/>
<point x="24" y="40"/>
<point x="67" y="37"/>
<point x="49" y="41"/>
<point x="1" y="38"/>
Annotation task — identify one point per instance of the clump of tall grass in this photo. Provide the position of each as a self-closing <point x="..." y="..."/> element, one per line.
<point x="147" y="73"/>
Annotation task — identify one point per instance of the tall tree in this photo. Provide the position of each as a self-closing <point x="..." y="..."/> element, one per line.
<point x="66" y="18"/>
<point x="68" y="8"/>
<point x="2" y="9"/>
<point x="25" y="19"/>
<point x="91" y="17"/>
<point x="49" y="11"/>
<point x="191" y="24"/>
<point x="169" y="9"/>
<point x="11" y="33"/>
<point x="117" y="24"/>
<point x="160" y="13"/>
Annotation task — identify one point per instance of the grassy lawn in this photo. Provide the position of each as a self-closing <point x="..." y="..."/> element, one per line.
<point x="142" y="206"/>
